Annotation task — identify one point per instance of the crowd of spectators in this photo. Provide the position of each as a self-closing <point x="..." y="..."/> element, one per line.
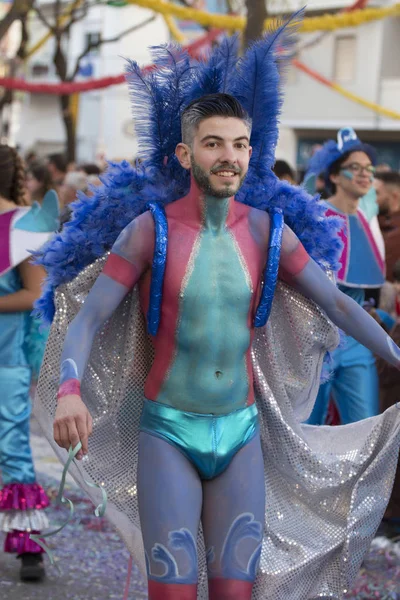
<point x="67" y="178"/>
<point x="384" y="304"/>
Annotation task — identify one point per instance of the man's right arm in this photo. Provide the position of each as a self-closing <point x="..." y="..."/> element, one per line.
<point x="130" y="257"/>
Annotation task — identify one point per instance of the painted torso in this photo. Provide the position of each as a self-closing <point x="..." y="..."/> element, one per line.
<point x="215" y="260"/>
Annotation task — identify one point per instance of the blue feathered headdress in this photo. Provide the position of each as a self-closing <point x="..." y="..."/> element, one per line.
<point x="159" y="97"/>
<point x="331" y="151"/>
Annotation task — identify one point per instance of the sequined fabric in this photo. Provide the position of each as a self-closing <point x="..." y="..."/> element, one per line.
<point x="327" y="488"/>
<point x="23" y="496"/>
<point x="19" y="542"/>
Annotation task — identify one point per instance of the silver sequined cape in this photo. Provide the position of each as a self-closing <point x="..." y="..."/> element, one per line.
<point x="327" y="487"/>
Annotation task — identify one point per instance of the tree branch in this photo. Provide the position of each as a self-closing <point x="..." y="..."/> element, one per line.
<point x="77" y="14"/>
<point x="100" y="42"/>
<point x="18" y="10"/>
<point x="43" y="19"/>
<point x="24" y="39"/>
<point x="256" y="15"/>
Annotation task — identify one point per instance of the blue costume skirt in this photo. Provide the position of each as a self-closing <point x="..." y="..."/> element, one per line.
<point x="208" y="441"/>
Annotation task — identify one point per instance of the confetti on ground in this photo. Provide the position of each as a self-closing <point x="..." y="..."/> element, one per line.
<point x="92" y="558"/>
<point x="379" y="576"/>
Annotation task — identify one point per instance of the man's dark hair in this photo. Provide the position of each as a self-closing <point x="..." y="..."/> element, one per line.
<point x="59" y="161"/>
<point x="281" y="169"/>
<point x="211" y="105"/>
<point x="334" y="169"/>
<point x="90" y="169"/>
<point x="389" y="178"/>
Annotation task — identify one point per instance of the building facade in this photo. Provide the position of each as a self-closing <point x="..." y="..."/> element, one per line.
<point x="105" y="123"/>
<point x="365" y="61"/>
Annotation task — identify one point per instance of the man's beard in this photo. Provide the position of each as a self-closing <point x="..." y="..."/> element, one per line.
<point x="203" y="181"/>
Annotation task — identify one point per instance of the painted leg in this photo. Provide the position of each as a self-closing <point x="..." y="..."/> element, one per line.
<point x="233" y="523"/>
<point x="170" y="497"/>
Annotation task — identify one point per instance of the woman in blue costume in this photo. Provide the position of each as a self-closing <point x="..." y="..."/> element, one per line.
<point x="202" y="411"/>
<point x="348" y="165"/>
<point x="22" y="499"/>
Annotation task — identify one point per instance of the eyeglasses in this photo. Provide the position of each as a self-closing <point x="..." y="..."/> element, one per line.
<point x="358" y="169"/>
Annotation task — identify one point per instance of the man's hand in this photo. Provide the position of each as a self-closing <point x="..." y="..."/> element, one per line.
<point x="72" y="424"/>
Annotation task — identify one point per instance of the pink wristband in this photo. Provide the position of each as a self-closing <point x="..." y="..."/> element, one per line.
<point x="69" y="388"/>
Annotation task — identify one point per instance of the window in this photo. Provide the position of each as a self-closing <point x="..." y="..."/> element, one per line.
<point x="93" y="38"/>
<point x="39" y="70"/>
<point x="345" y="58"/>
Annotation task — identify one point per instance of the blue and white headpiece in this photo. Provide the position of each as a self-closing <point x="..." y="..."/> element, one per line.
<point x="331" y="151"/>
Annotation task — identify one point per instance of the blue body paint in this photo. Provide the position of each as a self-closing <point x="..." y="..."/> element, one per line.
<point x="243" y="527"/>
<point x="181" y="539"/>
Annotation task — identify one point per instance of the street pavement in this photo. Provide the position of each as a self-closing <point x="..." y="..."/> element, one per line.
<point x="93" y="562"/>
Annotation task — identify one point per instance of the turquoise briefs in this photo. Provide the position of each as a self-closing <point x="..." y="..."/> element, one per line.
<point x="208" y="441"/>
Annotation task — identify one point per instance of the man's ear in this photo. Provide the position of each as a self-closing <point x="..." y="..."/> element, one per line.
<point x="182" y="152"/>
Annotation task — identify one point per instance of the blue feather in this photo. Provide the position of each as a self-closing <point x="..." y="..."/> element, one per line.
<point x="173" y="75"/>
<point x="213" y="74"/>
<point x="256" y="85"/>
<point x="148" y="108"/>
<point x="158" y="99"/>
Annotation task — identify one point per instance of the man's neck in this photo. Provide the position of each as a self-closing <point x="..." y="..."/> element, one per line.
<point x="344" y="202"/>
<point x="210" y="211"/>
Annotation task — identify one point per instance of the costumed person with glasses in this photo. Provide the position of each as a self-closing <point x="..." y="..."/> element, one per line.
<point x="23" y="229"/>
<point x="190" y="381"/>
<point x="348" y="165"/>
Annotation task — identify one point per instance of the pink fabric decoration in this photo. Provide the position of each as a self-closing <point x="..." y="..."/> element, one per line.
<point x="23" y="496"/>
<point x="19" y="542"/>
<point x="69" y="388"/>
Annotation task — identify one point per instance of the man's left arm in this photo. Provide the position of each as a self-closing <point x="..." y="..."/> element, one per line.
<point x="304" y="275"/>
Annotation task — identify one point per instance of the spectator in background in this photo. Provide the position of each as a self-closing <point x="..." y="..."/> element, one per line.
<point x="90" y="169"/>
<point x="388" y="194"/>
<point x="38" y="181"/>
<point x="383" y="168"/>
<point x="22" y="499"/>
<point x="389" y="394"/>
<point x="74" y="182"/>
<point x="30" y="157"/>
<point x="57" y="166"/>
<point x="284" y="172"/>
<point x="348" y="167"/>
<point x="389" y="300"/>
<point x="72" y="166"/>
<point x="93" y="173"/>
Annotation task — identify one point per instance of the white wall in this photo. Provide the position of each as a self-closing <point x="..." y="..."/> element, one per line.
<point x="309" y="104"/>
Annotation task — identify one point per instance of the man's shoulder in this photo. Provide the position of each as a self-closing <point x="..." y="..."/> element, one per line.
<point x="258" y="219"/>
